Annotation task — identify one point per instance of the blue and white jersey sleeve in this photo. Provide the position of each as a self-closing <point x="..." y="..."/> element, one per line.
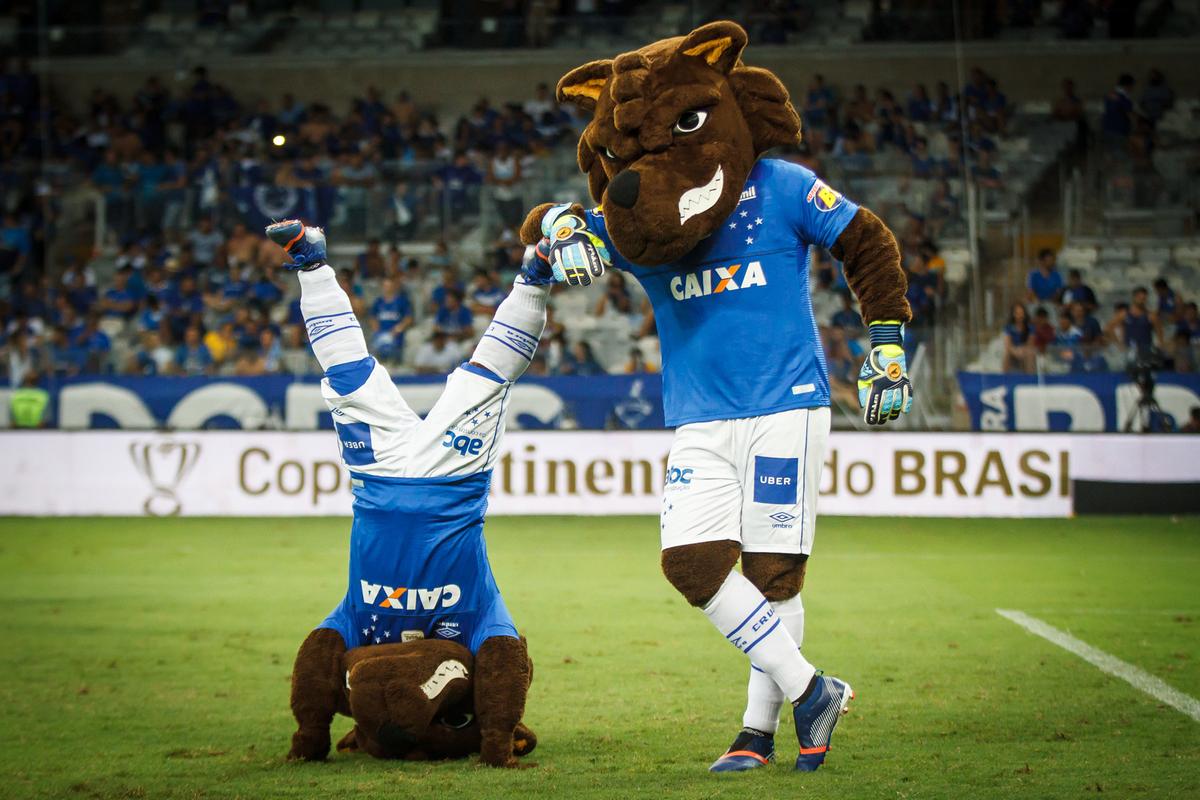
<point x="817" y="212"/>
<point x="462" y="432"/>
<point x="372" y="421"/>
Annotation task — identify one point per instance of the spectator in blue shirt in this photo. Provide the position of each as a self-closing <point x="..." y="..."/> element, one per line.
<point x="1140" y="324"/>
<point x="450" y="283"/>
<point x="15" y="245"/>
<point x="923" y="164"/>
<point x="920" y="107"/>
<point x="81" y="296"/>
<point x="455" y="318"/>
<point x="1168" y="304"/>
<point x="1117" y="120"/>
<point x="819" y="104"/>
<point x="118" y="301"/>
<point x="392" y="315"/>
<point x="1190" y="323"/>
<point x="1076" y="291"/>
<point x="485" y="293"/>
<point x="263" y="292"/>
<point x="1045" y="282"/>
<point x="192" y="357"/>
<point x="1020" y="352"/>
<point x="151" y="316"/>
<point x="94" y="345"/>
<point x="580" y="360"/>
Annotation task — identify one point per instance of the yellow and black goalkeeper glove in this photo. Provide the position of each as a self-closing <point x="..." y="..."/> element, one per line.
<point x="884" y="391"/>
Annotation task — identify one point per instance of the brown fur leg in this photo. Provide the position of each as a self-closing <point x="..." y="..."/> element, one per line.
<point x="316" y="690"/>
<point x="871" y="258"/>
<point x="524" y="740"/>
<point x="349" y="742"/>
<point x="779" y="576"/>
<point x="698" y="570"/>
<point x="502" y="675"/>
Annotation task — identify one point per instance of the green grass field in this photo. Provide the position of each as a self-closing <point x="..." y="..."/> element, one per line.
<point x="147" y="658"/>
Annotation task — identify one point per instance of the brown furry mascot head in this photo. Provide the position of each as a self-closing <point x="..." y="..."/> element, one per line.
<point x="415" y="701"/>
<point x="676" y="127"/>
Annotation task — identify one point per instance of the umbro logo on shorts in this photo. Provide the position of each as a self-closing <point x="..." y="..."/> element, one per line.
<point x="782" y="516"/>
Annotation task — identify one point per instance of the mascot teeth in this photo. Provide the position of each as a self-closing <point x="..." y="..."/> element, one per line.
<point x="702" y="198"/>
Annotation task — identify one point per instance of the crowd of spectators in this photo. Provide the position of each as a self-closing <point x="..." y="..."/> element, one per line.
<point x="197" y="291"/>
<point x="1069" y="332"/>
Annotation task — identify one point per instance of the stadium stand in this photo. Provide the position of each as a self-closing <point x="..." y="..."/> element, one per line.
<point x="130" y="237"/>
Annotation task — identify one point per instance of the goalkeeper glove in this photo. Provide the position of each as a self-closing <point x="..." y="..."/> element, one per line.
<point x="884" y="390"/>
<point x="575" y="254"/>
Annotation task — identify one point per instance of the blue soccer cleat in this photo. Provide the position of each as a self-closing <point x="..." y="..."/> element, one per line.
<point x="304" y="244"/>
<point x="816" y="717"/>
<point x="748" y="751"/>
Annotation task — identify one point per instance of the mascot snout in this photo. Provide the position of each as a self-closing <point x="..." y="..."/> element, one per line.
<point x="623" y="189"/>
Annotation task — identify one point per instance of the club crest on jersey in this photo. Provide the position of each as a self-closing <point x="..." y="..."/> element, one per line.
<point x="748" y="194"/>
<point x="717" y="280"/>
<point x="407" y="598"/>
<point x="823" y="197"/>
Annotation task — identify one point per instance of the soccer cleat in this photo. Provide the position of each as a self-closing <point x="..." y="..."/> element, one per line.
<point x="816" y="717"/>
<point x="304" y="244"/>
<point x="748" y="751"/>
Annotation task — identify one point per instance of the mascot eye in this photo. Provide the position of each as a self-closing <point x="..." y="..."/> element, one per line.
<point x="609" y="154"/>
<point x="690" y="121"/>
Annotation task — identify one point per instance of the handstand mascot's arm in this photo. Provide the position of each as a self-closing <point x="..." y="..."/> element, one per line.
<point x="674" y="108"/>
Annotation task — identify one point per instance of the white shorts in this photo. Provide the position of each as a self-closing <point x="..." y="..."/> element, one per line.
<point x="752" y="480"/>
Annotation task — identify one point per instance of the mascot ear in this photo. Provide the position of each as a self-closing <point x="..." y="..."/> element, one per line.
<point x="720" y="44"/>
<point x="765" y="105"/>
<point x="582" y="85"/>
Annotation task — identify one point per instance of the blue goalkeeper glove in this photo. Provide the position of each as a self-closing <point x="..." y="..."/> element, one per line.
<point x="884" y="390"/>
<point x="576" y="255"/>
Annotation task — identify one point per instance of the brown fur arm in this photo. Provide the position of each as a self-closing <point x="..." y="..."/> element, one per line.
<point x="871" y="259"/>
<point x="531" y="228"/>
<point x="502" y="677"/>
<point x="317" y="680"/>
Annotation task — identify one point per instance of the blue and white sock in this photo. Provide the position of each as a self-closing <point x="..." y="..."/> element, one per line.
<point x="764" y="698"/>
<point x="750" y="624"/>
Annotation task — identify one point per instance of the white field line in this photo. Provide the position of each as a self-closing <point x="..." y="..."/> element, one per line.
<point x="1136" y="677"/>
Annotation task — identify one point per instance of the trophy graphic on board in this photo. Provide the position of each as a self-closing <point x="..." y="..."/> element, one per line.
<point x="164" y="464"/>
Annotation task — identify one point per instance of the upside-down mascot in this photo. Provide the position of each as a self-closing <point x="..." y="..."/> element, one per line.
<point x="421" y="651"/>
<point x="719" y="238"/>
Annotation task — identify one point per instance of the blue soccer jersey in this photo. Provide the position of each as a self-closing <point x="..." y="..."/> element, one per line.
<point x="418" y="561"/>
<point x="418" y="564"/>
<point x="735" y="319"/>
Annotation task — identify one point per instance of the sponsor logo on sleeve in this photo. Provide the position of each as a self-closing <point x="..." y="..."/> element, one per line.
<point x="823" y="197"/>
<point x="355" y="441"/>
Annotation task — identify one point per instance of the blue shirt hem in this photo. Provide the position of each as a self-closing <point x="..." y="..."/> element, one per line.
<point x="812" y="402"/>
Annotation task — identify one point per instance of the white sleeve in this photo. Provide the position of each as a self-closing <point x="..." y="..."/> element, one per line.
<point x="507" y="346"/>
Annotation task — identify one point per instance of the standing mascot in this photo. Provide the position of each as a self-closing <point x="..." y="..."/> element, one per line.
<point x="719" y="239"/>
